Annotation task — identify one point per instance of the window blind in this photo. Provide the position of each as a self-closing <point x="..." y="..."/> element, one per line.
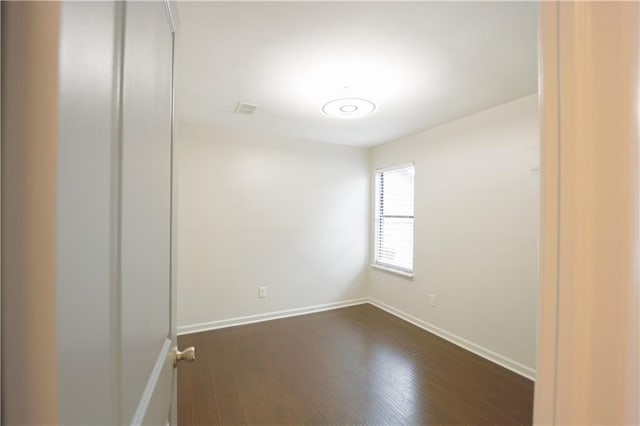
<point x="394" y="218"/>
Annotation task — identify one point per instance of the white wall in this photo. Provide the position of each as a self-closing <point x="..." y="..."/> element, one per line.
<point x="258" y="210"/>
<point x="476" y="231"/>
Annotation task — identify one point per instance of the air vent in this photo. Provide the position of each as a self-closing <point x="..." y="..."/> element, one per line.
<point x="247" y="109"/>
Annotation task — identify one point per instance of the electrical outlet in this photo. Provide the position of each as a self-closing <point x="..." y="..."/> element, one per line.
<point x="432" y="299"/>
<point x="262" y="292"/>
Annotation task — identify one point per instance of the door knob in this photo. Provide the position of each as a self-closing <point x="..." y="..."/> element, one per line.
<point x="188" y="354"/>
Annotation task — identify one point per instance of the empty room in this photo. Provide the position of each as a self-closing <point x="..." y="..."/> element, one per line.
<point x="358" y="212"/>
<point x="319" y="213"/>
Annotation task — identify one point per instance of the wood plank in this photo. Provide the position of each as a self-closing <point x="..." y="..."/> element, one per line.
<point x="355" y="365"/>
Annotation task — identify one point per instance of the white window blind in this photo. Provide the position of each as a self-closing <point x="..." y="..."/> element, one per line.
<point x="394" y="218"/>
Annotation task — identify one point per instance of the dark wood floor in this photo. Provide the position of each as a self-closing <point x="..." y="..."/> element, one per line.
<point x="356" y="365"/>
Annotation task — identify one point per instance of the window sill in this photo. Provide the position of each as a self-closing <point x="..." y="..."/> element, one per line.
<point x="393" y="271"/>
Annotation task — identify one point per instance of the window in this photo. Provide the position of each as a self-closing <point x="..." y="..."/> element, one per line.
<point x="394" y="218"/>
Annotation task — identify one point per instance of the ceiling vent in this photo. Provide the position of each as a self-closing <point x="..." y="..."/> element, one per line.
<point x="246" y="109"/>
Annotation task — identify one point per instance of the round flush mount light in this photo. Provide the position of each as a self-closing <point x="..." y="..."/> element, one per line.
<point x="348" y="108"/>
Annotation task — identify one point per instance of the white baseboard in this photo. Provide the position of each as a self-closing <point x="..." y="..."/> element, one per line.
<point x="494" y="357"/>
<point x="213" y="325"/>
<point x="488" y="354"/>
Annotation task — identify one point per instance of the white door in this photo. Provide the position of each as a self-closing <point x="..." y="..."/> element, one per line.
<point x="116" y="292"/>
<point x="88" y="197"/>
<point x="148" y="332"/>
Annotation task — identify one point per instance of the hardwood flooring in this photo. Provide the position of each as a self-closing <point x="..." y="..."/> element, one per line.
<point x="355" y="365"/>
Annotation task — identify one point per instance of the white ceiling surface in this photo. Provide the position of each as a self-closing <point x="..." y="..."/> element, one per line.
<point x="422" y="64"/>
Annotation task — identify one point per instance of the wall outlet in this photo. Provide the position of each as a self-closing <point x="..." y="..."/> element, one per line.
<point x="432" y="299"/>
<point x="262" y="292"/>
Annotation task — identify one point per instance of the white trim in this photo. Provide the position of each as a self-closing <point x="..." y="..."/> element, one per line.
<point x="392" y="270"/>
<point x="488" y="354"/>
<point x="213" y="325"/>
<point x="545" y="394"/>
<point x="395" y="167"/>
<point x="172" y="419"/>
<point x="147" y="394"/>
<point x="485" y="353"/>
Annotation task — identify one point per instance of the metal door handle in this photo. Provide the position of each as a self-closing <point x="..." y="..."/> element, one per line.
<point x="188" y="354"/>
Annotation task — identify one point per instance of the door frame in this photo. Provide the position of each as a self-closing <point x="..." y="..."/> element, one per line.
<point x="172" y="16"/>
<point x="589" y="292"/>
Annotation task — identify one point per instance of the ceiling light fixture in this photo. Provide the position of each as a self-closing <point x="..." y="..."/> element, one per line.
<point x="348" y="108"/>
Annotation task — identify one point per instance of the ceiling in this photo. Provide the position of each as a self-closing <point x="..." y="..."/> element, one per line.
<point x="421" y="63"/>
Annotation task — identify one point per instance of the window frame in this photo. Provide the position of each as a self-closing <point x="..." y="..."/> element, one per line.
<point x="376" y="217"/>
